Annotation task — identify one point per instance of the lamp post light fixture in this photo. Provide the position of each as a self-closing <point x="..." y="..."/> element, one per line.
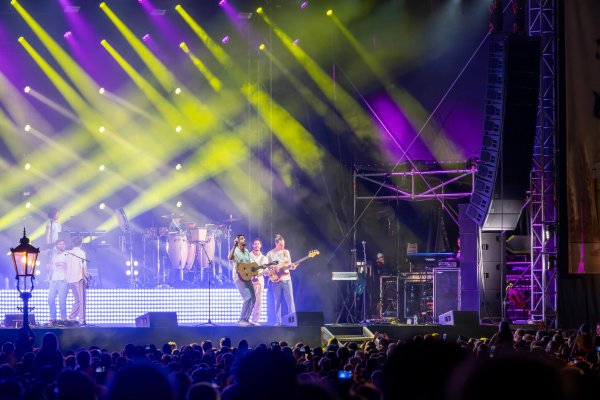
<point x="24" y="258"/>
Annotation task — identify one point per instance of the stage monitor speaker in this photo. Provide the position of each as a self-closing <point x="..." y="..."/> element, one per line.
<point x="446" y="290"/>
<point x="157" y="320"/>
<point x="16" y="320"/>
<point x="455" y="317"/>
<point x="304" y="318"/>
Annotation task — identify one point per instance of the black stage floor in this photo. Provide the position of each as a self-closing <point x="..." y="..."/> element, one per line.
<point x="114" y="338"/>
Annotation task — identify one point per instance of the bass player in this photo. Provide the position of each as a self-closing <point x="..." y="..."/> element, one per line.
<point x="283" y="284"/>
<point x="240" y="254"/>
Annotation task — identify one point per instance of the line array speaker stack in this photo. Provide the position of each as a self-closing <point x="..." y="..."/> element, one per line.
<point x="509" y="129"/>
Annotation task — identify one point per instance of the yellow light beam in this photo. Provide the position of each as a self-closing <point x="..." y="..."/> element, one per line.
<point x="214" y="82"/>
<point x="167" y="110"/>
<point x="350" y="110"/>
<point x="160" y="72"/>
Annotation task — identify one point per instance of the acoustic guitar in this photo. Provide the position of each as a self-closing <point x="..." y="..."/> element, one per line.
<point x="277" y="273"/>
<point x="246" y="271"/>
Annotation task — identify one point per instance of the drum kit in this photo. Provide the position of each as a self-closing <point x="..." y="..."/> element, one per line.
<point x="185" y="254"/>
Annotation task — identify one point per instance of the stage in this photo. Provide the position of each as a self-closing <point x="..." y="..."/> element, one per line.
<point x="114" y="338"/>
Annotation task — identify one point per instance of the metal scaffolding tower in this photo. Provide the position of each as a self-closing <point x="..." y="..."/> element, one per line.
<point x="543" y="216"/>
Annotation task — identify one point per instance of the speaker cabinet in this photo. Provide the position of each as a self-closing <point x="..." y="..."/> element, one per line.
<point x="455" y="317"/>
<point x="304" y="318"/>
<point x="446" y="290"/>
<point x="157" y="320"/>
<point x="16" y="320"/>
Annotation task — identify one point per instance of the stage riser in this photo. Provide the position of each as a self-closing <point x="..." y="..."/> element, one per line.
<point x="116" y="338"/>
<point x="112" y="307"/>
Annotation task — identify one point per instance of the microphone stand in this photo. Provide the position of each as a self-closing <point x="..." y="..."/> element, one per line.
<point x="210" y="271"/>
<point x="364" y="291"/>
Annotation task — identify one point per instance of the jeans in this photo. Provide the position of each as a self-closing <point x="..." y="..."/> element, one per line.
<point x="283" y="287"/>
<point x="60" y="289"/>
<point x="247" y="291"/>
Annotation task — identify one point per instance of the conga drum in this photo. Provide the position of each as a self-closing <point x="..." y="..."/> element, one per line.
<point x="208" y="253"/>
<point x="191" y="255"/>
<point x="177" y="249"/>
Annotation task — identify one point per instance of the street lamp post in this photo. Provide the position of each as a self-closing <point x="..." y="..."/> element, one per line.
<point x="24" y="258"/>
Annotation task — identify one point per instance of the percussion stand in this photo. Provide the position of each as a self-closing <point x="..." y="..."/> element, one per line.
<point x="161" y="273"/>
<point x="210" y="271"/>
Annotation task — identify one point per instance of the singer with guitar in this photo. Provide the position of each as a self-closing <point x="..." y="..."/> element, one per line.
<point x="240" y="255"/>
<point x="77" y="277"/>
<point x="280" y="277"/>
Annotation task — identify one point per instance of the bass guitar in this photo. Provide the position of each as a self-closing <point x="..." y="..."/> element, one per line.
<point x="246" y="271"/>
<point x="277" y="273"/>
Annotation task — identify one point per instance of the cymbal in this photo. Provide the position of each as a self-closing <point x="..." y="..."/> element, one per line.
<point x="231" y="219"/>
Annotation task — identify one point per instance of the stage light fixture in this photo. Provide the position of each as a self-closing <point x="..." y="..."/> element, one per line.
<point x="27" y="167"/>
<point x="259" y="10"/>
<point x="296" y="42"/>
<point x="304" y="4"/>
<point x="225" y="39"/>
<point x="262" y="47"/>
<point x="136" y="272"/>
<point x="178" y="167"/>
<point x="128" y="273"/>
<point x="68" y="35"/>
<point x="135" y="263"/>
<point x="27" y="128"/>
<point x="102" y="206"/>
<point x="28" y="205"/>
<point x="27" y="89"/>
<point x="101" y="90"/>
<point x="178" y="91"/>
<point x="101" y="167"/>
<point x="179" y="204"/>
<point x="101" y="129"/>
<point x="222" y="3"/>
<point x="146" y="37"/>
<point x="178" y="129"/>
<point x="329" y="13"/>
<point x="128" y="263"/>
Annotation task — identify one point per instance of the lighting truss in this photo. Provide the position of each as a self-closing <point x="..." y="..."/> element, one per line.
<point x="543" y="215"/>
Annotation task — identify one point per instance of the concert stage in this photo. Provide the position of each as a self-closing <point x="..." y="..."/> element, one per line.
<point x="114" y="338"/>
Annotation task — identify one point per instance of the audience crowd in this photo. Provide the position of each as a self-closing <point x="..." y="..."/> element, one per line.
<point x="511" y="364"/>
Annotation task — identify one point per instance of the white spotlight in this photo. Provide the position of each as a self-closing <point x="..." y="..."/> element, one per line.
<point x="27" y="166"/>
<point x="28" y="205"/>
<point x="27" y="89"/>
<point x="179" y="204"/>
<point x="101" y="129"/>
<point x="135" y="263"/>
<point x="128" y="263"/>
<point x="178" y="129"/>
<point x="178" y="167"/>
<point x="102" y="206"/>
<point x="101" y="168"/>
<point x="178" y="91"/>
<point x="27" y="128"/>
<point x="128" y="273"/>
<point x="101" y="90"/>
<point x="136" y="272"/>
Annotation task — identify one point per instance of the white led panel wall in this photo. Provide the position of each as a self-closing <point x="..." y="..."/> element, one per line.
<point x="122" y="306"/>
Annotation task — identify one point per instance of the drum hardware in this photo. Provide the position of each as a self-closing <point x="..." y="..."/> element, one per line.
<point x="127" y="249"/>
<point x="210" y="262"/>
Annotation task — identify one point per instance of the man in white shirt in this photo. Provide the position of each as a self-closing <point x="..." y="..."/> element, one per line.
<point x="240" y="254"/>
<point x="281" y="278"/>
<point x="258" y="281"/>
<point x="76" y="277"/>
<point x="58" y="283"/>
